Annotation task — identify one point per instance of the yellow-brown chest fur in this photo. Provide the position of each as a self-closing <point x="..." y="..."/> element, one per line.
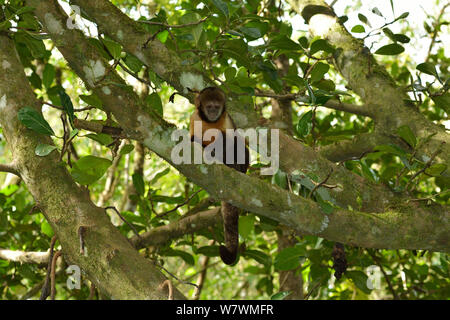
<point x="223" y="123"/>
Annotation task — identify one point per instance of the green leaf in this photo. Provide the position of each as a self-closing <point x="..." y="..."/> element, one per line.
<point x="92" y="100"/>
<point x="325" y="85"/>
<point x="406" y="134"/>
<point x="428" y="68"/>
<point x="169" y="252"/>
<point x="443" y="102"/>
<point x="73" y="133"/>
<point x="259" y="256"/>
<point x="255" y="29"/>
<point x="37" y="47"/>
<point x="403" y="16"/>
<point x="401" y="38"/>
<point x="67" y="105"/>
<point x="390" y="49"/>
<point x="304" y="125"/>
<point x="389" y="33"/>
<point x="246" y="225"/>
<point x="321" y="45"/>
<point x="363" y="19"/>
<point x="48" y="75"/>
<point x="162" y="36"/>
<point x="303" y="42"/>
<point x="138" y="183"/>
<point x="160" y="174"/>
<point x="282" y="42"/>
<point x="23" y="10"/>
<point x="222" y="6"/>
<point x="377" y="12"/>
<point x="358" y="29"/>
<point x="89" y="169"/>
<point x="133" y="63"/>
<point x="235" y="33"/>
<point x="5" y="25"/>
<point x="34" y="120"/>
<point x="102" y="138"/>
<point x="154" y="101"/>
<point x="46" y="229"/>
<point x="236" y="49"/>
<point x="359" y="278"/>
<point x="288" y="258"/>
<point x="167" y="199"/>
<point x="436" y="169"/>
<point x="126" y="149"/>
<point x="280" y="179"/>
<point x="209" y="251"/>
<point x="391" y="148"/>
<point x="280" y="295"/>
<point x="251" y="33"/>
<point x="113" y="47"/>
<point x="43" y="149"/>
<point x="230" y="73"/>
<point x="319" y="71"/>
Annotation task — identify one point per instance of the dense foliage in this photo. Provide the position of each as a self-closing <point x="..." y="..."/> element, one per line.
<point x="252" y="49"/>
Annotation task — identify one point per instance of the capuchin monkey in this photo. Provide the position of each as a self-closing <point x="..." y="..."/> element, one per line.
<point x="211" y="112"/>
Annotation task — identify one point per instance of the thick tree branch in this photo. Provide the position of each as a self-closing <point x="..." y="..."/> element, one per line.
<point x="35" y="257"/>
<point x="166" y="63"/>
<point x="11" y="168"/>
<point x="386" y="230"/>
<point x="361" y="110"/>
<point x="373" y="84"/>
<point x="65" y="205"/>
<point x="185" y="225"/>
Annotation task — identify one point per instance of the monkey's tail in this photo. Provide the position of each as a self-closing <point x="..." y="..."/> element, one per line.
<point x="230" y="215"/>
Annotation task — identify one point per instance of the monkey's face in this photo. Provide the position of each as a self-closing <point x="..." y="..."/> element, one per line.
<point x="212" y="109"/>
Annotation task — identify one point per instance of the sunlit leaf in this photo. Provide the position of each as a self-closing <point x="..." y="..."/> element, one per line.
<point x="89" y="169"/>
<point x="44" y="149"/>
<point x="358" y="29"/>
<point x="390" y="49"/>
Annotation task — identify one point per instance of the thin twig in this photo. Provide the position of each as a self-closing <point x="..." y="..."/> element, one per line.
<point x="426" y="166"/>
<point x="435" y="31"/>
<point x="124" y="220"/>
<point x="388" y="281"/>
<point x="61" y="108"/>
<point x="322" y="184"/>
<point x="173" y="276"/>
<point x="179" y="205"/>
<point x="318" y="283"/>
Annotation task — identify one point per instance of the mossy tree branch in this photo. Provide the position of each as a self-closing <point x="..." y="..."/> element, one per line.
<point x="396" y="227"/>
<point x="294" y="156"/>
<point x="110" y="261"/>
<point x="372" y="83"/>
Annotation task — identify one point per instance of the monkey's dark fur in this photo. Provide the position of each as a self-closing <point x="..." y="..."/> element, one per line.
<point x="211" y="111"/>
